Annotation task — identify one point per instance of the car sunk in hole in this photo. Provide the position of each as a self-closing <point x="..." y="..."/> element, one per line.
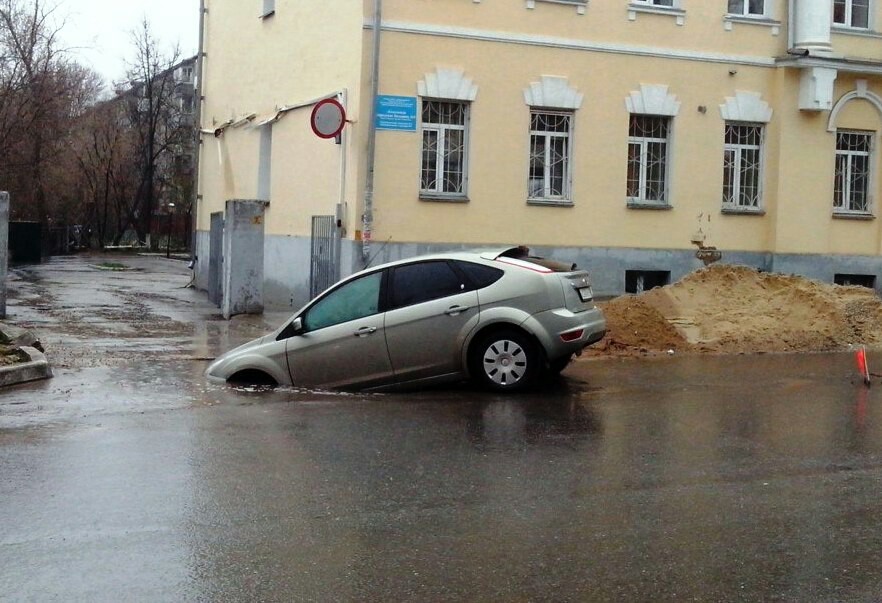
<point x="501" y="318"/>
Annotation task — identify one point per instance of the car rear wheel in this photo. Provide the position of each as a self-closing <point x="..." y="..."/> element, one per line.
<point x="505" y="360"/>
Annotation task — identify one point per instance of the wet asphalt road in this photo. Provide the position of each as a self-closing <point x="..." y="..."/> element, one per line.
<point x="128" y="477"/>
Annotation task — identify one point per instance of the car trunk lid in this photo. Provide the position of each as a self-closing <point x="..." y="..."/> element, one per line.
<point x="578" y="294"/>
<point x="575" y="283"/>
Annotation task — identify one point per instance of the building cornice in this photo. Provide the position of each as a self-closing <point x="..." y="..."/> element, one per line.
<point x="841" y="64"/>
<point x="504" y="37"/>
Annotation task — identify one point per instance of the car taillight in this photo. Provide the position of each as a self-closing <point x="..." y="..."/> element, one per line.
<point x="572" y="335"/>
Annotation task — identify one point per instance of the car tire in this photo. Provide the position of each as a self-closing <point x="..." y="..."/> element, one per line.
<point x="505" y="360"/>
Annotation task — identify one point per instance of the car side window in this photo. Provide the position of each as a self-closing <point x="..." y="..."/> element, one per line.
<point x="352" y="301"/>
<point x="482" y="276"/>
<point x="424" y="281"/>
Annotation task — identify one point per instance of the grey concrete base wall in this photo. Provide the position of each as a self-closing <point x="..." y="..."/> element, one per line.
<point x="825" y="268"/>
<point x="286" y="272"/>
<point x="287" y="264"/>
<point x="286" y="269"/>
<point x="606" y="265"/>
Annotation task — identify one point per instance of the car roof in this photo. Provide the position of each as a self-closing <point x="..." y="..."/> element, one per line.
<point x="490" y="253"/>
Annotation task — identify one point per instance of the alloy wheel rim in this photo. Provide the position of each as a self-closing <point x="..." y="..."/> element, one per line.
<point x="505" y="362"/>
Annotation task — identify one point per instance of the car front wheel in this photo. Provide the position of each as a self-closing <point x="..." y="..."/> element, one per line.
<point x="505" y="361"/>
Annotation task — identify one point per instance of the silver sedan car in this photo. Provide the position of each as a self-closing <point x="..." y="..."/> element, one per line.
<point x="501" y="318"/>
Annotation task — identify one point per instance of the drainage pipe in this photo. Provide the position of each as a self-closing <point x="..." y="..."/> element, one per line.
<point x="197" y="118"/>
<point x="368" y="215"/>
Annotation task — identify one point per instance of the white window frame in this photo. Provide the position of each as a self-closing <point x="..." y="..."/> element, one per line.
<point x="442" y="132"/>
<point x="547" y="197"/>
<point x="849" y="15"/>
<point x="735" y="204"/>
<point x="842" y="200"/>
<point x="643" y="142"/>
<point x="745" y="10"/>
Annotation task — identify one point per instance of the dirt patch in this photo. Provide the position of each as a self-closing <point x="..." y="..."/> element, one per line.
<point x="10" y="355"/>
<point x="634" y="326"/>
<point x="735" y="309"/>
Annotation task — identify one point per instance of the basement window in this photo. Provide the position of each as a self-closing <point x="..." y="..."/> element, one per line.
<point x="638" y="281"/>
<point x="857" y="280"/>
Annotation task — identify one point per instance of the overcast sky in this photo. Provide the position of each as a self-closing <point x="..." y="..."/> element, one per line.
<point x="101" y="29"/>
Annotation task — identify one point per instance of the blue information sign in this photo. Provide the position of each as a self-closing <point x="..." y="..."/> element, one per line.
<point x="396" y="113"/>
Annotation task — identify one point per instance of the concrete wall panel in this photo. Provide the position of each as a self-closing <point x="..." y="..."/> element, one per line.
<point x="243" y="252"/>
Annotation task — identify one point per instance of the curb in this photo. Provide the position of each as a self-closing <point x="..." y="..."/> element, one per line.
<point x="37" y="368"/>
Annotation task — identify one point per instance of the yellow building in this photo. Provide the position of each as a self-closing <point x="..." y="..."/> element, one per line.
<point x="618" y="134"/>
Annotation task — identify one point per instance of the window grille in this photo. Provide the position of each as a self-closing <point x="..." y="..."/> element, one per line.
<point x="550" y="149"/>
<point x="855" y="280"/>
<point x="743" y="166"/>
<point x="852" y="13"/>
<point x="638" y="281"/>
<point x="444" y="129"/>
<point x="851" y="188"/>
<point x="648" y="159"/>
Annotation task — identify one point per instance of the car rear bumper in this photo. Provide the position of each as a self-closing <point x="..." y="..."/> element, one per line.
<point x="550" y="326"/>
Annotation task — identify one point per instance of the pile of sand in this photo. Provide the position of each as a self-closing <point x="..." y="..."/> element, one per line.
<point x="734" y="309"/>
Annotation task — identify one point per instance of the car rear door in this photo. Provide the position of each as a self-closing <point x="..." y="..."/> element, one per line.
<point x="431" y="309"/>
<point x="342" y="343"/>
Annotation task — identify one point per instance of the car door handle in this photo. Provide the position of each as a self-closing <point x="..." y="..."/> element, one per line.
<point x="454" y="310"/>
<point x="365" y="331"/>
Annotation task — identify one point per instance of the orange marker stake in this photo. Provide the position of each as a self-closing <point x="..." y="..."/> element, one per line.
<point x="861" y="358"/>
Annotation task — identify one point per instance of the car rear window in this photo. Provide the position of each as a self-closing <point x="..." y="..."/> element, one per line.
<point x="480" y="275"/>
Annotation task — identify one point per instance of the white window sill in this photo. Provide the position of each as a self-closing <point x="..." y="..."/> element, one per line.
<point x="773" y="24"/>
<point x="580" y="5"/>
<point x="641" y="204"/>
<point x="743" y="211"/>
<point x="268" y="14"/>
<point x="678" y="13"/>
<point x="441" y="197"/>
<point x="550" y="202"/>
<point x="842" y="215"/>
<point x="860" y="32"/>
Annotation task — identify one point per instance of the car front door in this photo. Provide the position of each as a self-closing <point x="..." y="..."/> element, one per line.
<point x="342" y="343"/>
<point x="431" y="311"/>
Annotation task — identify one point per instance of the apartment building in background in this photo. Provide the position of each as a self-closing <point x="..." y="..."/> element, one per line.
<point x="620" y="134"/>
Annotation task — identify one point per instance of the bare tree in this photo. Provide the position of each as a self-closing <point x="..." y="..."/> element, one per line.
<point x="41" y="93"/>
<point x="70" y="158"/>
<point x="155" y="119"/>
<point x="105" y="153"/>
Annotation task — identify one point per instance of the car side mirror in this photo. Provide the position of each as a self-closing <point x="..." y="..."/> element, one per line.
<point x="295" y="327"/>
